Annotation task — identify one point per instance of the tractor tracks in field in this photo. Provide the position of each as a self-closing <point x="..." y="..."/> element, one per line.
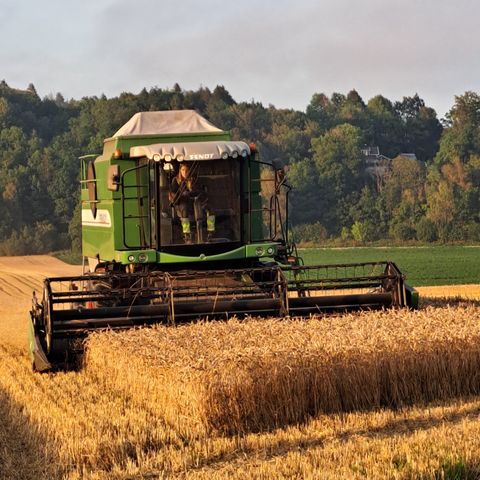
<point x="12" y="285"/>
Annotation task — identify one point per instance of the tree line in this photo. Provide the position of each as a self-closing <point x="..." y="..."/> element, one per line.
<point x="434" y="196"/>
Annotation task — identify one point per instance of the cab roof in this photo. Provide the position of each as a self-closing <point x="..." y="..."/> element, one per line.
<point x="169" y="122"/>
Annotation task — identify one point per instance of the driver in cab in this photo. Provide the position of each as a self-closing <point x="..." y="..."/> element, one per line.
<point x="186" y="199"/>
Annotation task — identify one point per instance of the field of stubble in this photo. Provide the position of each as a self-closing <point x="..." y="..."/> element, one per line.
<point x="371" y="395"/>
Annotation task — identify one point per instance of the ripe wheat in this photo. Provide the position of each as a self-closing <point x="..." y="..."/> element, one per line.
<point x="237" y="376"/>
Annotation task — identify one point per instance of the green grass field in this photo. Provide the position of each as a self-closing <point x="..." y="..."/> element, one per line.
<point x="438" y="265"/>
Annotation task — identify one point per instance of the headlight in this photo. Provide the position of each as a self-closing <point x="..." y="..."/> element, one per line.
<point x="270" y="250"/>
<point x="234" y="154"/>
<point x="167" y="157"/>
<point x="156" y="157"/>
<point x="131" y="258"/>
<point x="244" y="153"/>
<point x="224" y="155"/>
<point x="259" y="251"/>
<point x="142" y="257"/>
<point x="180" y="158"/>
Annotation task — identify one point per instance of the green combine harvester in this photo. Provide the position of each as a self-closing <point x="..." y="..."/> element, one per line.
<point x="179" y="223"/>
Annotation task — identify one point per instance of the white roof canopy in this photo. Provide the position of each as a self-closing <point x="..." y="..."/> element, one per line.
<point x="166" y="122"/>
<point x="191" y="151"/>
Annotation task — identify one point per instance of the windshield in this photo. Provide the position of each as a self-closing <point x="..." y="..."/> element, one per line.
<point x="199" y="202"/>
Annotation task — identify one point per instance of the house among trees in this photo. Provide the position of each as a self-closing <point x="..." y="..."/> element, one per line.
<point x="378" y="166"/>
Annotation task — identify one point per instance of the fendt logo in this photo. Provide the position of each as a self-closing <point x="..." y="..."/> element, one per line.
<point x="200" y="156"/>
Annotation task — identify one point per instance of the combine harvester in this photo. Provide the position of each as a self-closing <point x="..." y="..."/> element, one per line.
<point x="179" y="222"/>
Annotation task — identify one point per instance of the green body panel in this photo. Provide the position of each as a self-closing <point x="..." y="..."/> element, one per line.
<point x="119" y="237"/>
<point x="257" y="250"/>
<point x="31" y="338"/>
<point x="97" y="242"/>
<point x="104" y="241"/>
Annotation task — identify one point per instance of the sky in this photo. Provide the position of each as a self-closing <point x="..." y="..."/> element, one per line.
<point x="278" y="52"/>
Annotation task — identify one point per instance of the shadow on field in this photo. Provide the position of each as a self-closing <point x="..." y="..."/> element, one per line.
<point x="442" y="302"/>
<point x="23" y="451"/>
<point x="402" y="426"/>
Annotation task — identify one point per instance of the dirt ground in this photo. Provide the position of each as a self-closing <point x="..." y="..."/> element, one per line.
<point x="19" y="277"/>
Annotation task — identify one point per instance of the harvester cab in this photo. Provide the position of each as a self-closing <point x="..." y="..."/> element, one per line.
<point x="179" y="222"/>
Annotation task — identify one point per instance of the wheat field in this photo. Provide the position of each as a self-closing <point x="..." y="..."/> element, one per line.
<point x="372" y="395"/>
<point x="235" y="377"/>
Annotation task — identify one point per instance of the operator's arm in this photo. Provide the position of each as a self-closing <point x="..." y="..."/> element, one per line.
<point x="179" y="191"/>
<point x="173" y="190"/>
